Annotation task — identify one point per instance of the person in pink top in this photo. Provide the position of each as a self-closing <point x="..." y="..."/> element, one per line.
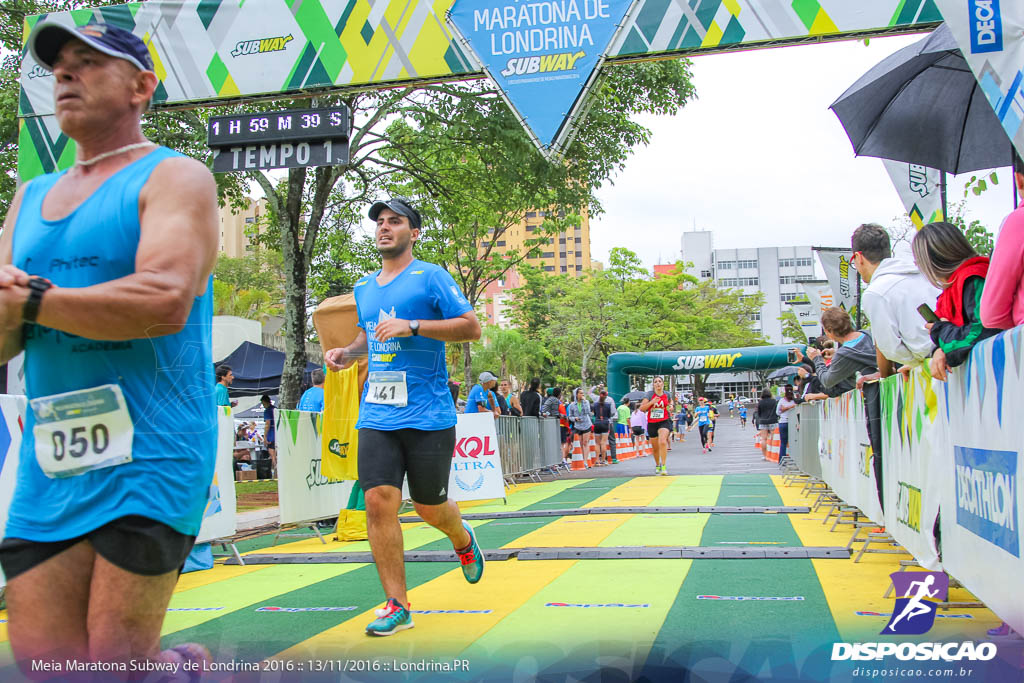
<point x="1002" y="302"/>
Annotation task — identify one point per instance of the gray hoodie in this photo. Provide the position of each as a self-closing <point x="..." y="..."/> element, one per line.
<point x="897" y="288"/>
<point x="850" y="358"/>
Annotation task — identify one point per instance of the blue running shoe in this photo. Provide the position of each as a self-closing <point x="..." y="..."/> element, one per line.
<point x="472" y="560"/>
<point x="391" y="618"/>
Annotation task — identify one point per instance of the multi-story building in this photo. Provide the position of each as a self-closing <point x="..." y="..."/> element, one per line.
<point x="772" y="271"/>
<point x="233" y="224"/>
<point x="569" y="251"/>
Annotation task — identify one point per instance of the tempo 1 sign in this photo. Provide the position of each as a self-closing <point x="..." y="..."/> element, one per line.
<point x="286" y="139"/>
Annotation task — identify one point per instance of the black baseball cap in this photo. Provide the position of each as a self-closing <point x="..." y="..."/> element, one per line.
<point x="48" y="37"/>
<point x="402" y="207"/>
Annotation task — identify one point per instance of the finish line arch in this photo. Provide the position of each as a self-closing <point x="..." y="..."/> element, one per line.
<point x="211" y="53"/>
<point x="749" y="359"/>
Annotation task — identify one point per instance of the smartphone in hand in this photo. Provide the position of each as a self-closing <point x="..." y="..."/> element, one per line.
<point x="927" y="313"/>
<point x="791" y="356"/>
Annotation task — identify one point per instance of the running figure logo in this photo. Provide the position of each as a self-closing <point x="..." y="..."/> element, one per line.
<point x="917" y="598"/>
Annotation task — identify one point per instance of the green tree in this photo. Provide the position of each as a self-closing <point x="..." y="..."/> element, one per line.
<point x="506" y="352"/>
<point x="260" y="269"/>
<point x="791" y="329"/>
<point x="254" y="304"/>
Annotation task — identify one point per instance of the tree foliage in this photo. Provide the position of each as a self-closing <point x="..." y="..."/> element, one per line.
<point x="580" y="321"/>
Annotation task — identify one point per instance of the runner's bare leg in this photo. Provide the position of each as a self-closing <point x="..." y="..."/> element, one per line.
<point x="385" y="536"/>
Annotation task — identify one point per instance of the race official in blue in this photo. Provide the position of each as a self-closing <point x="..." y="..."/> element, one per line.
<point x="105" y="282"/>
<point x="312" y="400"/>
<point x="407" y="311"/>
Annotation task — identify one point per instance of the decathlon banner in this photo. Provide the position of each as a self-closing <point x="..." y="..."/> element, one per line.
<point x="912" y="438"/>
<point x="919" y="188"/>
<point x="841" y="274"/>
<point x="219" y="518"/>
<point x="544" y="56"/>
<point x="990" y="34"/>
<point x="982" y="499"/>
<point x="476" y="464"/>
<point x="846" y="453"/>
<point x="304" y="494"/>
<point x="12" y="420"/>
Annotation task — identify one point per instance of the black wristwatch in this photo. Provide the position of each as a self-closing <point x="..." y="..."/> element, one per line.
<point x="36" y="287"/>
<point x="414" y="327"/>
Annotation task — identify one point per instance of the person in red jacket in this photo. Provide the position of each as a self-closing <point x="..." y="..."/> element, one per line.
<point x="950" y="263"/>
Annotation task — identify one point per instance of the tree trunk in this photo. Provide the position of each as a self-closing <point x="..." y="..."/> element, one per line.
<point x="295" y="293"/>
<point x="699" y="381"/>
<point x="467" y="363"/>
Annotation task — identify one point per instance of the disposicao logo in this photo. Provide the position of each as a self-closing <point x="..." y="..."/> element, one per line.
<point x="986" y="495"/>
<point x="256" y="47"/>
<point x="986" y="22"/>
<point x="917" y="600"/>
<point x="590" y="604"/>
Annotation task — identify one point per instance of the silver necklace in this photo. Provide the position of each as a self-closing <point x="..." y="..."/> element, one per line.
<point x="113" y="152"/>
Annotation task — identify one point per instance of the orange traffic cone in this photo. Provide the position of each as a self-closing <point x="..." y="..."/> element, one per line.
<point x="757" y="440"/>
<point x="774" y="445"/>
<point x="577" y="455"/>
<point x="625" y="451"/>
<point x="592" y="453"/>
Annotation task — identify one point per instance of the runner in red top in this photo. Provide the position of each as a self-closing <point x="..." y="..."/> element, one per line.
<point x="658" y="406"/>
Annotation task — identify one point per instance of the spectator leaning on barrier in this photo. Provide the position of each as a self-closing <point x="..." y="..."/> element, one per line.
<point x="855" y="353"/>
<point x="1002" y="302"/>
<point x="896" y="288"/>
<point x="312" y="400"/>
<point x="529" y="399"/>
<point x="949" y="261"/>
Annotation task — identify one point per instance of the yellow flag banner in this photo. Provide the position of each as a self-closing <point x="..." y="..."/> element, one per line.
<point x="339" y="439"/>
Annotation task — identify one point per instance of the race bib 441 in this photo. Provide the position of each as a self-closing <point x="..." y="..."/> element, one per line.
<point x="81" y="431"/>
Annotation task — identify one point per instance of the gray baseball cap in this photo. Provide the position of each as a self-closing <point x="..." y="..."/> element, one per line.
<point x="487" y="377"/>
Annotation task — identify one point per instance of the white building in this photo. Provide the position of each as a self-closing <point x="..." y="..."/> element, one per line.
<point x="772" y="271"/>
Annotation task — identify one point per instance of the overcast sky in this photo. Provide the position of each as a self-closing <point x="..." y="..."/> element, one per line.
<point x="760" y="160"/>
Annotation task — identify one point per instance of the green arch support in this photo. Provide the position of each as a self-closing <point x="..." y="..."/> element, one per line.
<point x="754" y="358"/>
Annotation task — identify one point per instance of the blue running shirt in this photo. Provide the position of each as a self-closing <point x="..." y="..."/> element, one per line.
<point x="423" y="291"/>
<point x="167" y="381"/>
<point x="703" y="414"/>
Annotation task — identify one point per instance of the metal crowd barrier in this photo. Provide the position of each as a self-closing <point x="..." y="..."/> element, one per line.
<point x="528" y="445"/>
<point x="803" y="439"/>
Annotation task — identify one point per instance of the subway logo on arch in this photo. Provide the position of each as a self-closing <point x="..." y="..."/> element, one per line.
<point x="986" y="22"/>
<point x="986" y="495"/>
<point x="709" y="362"/>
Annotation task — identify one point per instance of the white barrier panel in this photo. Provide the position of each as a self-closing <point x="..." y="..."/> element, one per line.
<point x="846" y="453"/>
<point x="912" y="435"/>
<point x="982" y="500"/>
<point x="303" y="493"/>
<point x="12" y="420"/>
<point x="476" y="464"/>
<point x="220" y="517"/>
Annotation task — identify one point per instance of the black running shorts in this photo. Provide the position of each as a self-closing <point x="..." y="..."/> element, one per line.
<point x="136" y="544"/>
<point x="385" y="457"/>
<point x="653" y="427"/>
<point x="601" y="428"/>
<point x="638" y="430"/>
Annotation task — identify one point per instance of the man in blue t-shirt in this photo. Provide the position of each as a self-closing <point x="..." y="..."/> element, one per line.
<point x="481" y="396"/>
<point x="407" y="311"/>
<point x="313" y="398"/>
<point x="224" y="379"/>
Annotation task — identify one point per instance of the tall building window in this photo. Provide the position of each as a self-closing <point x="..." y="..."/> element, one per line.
<point x="747" y="264"/>
<point x="705" y="273"/>
<point x="726" y="265"/>
<point x="738" y="282"/>
<point x="548" y="254"/>
<point x="789" y="296"/>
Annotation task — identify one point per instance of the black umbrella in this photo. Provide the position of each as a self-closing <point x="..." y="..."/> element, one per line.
<point x="635" y="395"/>
<point x="788" y="371"/>
<point x="923" y="105"/>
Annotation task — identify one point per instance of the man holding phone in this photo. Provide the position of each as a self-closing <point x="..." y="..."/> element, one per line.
<point x="896" y="290"/>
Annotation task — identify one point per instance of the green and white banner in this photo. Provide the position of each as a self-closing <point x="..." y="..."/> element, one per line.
<point x="206" y="51"/>
<point x="919" y="188"/>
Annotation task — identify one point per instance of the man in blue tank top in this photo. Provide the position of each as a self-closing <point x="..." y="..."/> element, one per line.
<point x="105" y="284"/>
<point x="407" y="311"/>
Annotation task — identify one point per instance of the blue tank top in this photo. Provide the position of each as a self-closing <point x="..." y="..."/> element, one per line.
<point x="167" y="381"/>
